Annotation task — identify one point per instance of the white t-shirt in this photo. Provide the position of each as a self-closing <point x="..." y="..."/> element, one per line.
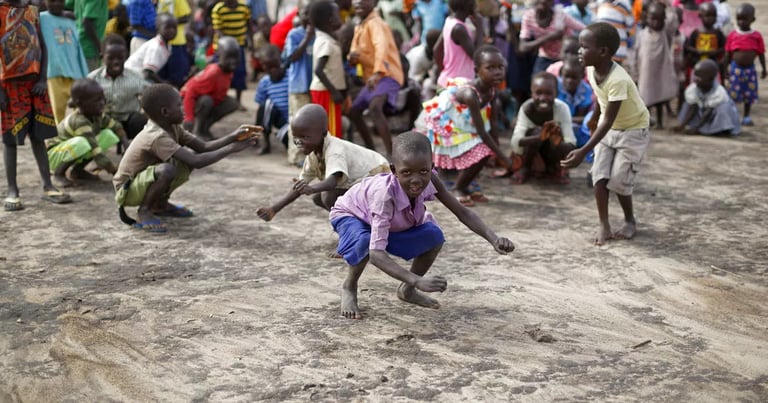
<point x="561" y="115"/>
<point x="353" y="161"/>
<point x="420" y="64"/>
<point x="152" y="55"/>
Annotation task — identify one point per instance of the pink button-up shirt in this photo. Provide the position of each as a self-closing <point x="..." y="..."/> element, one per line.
<point x="380" y="202"/>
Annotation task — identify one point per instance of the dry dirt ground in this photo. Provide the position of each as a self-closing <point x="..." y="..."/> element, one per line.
<point x="226" y="307"/>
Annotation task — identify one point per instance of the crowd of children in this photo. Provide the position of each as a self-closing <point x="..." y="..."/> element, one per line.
<point x="152" y="77"/>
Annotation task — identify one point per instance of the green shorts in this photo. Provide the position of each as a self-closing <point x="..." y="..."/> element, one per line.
<point x="78" y="149"/>
<point x="132" y="192"/>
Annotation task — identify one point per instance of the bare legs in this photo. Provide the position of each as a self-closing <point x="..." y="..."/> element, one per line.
<point x="604" y="231"/>
<point x="376" y="111"/>
<point x="156" y="196"/>
<point x="10" y="155"/>
<point x="420" y="266"/>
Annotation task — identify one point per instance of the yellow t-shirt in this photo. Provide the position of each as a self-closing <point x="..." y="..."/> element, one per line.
<point x="179" y="9"/>
<point x="618" y="86"/>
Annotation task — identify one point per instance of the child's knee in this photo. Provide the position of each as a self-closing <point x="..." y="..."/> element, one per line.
<point x="165" y="171"/>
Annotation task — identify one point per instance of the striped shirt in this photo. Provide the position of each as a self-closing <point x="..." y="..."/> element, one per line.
<point x="231" y="21"/>
<point x="78" y="125"/>
<point x="276" y="91"/>
<point x="619" y="14"/>
<point x="122" y="92"/>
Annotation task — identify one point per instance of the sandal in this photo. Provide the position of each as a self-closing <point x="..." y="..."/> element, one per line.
<point x="13" y="204"/>
<point x="478" y="197"/>
<point x="154" y="226"/>
<point x="466" y="200"/>
<point x="56" y="196"/>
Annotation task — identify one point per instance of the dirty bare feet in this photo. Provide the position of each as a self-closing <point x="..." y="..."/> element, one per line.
<point x="627" y="231"/>
<point x="603" y="235"/>
<point x="349" y="308"/>
<point x="410" y="295"/>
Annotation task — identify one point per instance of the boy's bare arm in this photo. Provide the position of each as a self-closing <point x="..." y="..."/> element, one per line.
<point x="687" y="118"/>
<point x="337" y="96"/>
<point x="201" y="160"/>
<point x="329" y="183"/>
<point x="89" y="26"/>
<point x="381" y="259"/>
<point x="267" y="213"/>
<point x="241" y="133"/>
<point x="575" y="157"/>
<point x="470" y="219"/>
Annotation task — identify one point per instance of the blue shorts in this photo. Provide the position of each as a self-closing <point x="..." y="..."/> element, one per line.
<point x="355" y="239"/>
<point x="386" y="86"/>
<point x="177" y="67"/>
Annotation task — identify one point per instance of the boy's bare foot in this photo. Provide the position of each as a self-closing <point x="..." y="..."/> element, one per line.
<point x="627" y="231"/>
<point x="410" y="295"/>
<point x="603" y="235"/>
<point x="349" y="308"/>
<point x="82" y="174"/>
<point x="61" y="181"/>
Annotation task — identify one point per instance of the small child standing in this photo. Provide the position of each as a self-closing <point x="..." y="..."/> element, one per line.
<point x="708" y="109"/>
<point x="205" y="94"/>
<point x="65" y="49"/>
<point x="619" y="127"/>
<point x="162" y="156"/>
<point x="654" y="60"/>
<point x="741" y="47"/>
<point x="298" y="54"/>
<point x="386" y="214"/>
<point x="233" y="18"/>
<point x="84" y="135"/>
<point x="337" y="163"/>
<point x="706" y="42"/>
<point x="458" y="43"/>
<point x="24" y="102"/>
<point x="460" y="123"/>
<point x="329" y="83"/>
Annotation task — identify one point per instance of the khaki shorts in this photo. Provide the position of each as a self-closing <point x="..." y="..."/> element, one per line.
<point x="618" y="158"/>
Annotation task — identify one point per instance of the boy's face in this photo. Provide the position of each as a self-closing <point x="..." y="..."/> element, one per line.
<point x="704" y="77"/>
<point x="572" y="77"/>
<point x="168" y="29"/>
<point x="708" y="15"/>
<point x="362" y="7"/>
<point x="744" y="18"/>
<point x="114" y="57"/>
<point x="543" y="94"/>
<point x="92" y="103"/>
<point x="229" y="59"/>
<point x="544" y="5"/>
<point x="308" y="139"/>
<point x="174" y="112"/>
<point x="335" y="22"/>
<point x="492" y="69"/>
<point x="55" y="7"/>
<point x="570" y="47"/>
<point x="589" y="53"/>
<point x="655" y="18"/>
<point x="274" y="69"/>
<point x="413" y="172"/>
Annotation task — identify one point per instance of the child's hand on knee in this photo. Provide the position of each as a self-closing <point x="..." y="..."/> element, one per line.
<point x="503" y="245"/>
<point x="431" y="284"/>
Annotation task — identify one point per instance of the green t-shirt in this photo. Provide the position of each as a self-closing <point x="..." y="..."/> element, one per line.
<point x="98" y="10"/>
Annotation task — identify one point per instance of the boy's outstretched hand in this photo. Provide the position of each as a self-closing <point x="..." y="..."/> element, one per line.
<point x="431" y="284"/>
<point x="503" y="245"/>
<point x="573" y="159"/>
<point x="245" y="132"/>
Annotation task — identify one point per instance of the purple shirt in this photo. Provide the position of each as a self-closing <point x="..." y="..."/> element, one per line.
<point x="380" y="202"/>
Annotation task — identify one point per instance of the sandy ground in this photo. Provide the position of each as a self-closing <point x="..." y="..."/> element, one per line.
<point x="227" y="307"/>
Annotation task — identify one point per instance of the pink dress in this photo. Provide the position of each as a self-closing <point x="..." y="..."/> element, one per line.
<point x="456" y="62"/>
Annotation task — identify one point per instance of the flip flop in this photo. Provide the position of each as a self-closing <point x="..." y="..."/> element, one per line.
<point x="466" y="201"/>
<point x="56" y="196"/>
<point x="13" y="204"/>
<point x="153" y="226"/>
<point x="478" y="197"/>
<point x="500" y="173"/>
<point x="178" y="211"/>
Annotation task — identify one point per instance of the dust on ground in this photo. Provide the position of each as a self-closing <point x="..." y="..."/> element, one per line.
<point x="226" y="307"/>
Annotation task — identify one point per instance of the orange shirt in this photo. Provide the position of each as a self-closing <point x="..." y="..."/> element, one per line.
<point x="374" y="42"/>
<point x="21" y="53"/>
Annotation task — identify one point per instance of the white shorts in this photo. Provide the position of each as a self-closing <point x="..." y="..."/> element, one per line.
<point x="618" y="158"/>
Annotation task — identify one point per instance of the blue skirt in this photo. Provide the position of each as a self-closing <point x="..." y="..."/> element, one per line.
<point x="355" y="239"/>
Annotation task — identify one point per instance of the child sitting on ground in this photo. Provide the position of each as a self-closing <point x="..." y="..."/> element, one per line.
<point x="152" y="55"/>
<point x="544" y="129"/>
<point x="741" y="47"/>
<point x="85" y="135"/>
<point x="205" y="94"/>
<point x="26" y="109"/>
<point x="619" y="126"/>
<point x="162" y="156"/>
<point x="460" y="123"/>
<point x="272" y="99"/>
<point x="708" y="109"/>
<point x="386" y="214"/>
<point x="337" y="163"/>
<point x="329" y="83"/>
<point x="576" y="93"/>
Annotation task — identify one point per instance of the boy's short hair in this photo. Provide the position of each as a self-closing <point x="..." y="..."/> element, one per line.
<point x="80" y="88"/>
<point x="270" y="52"/>
<point x="484" y="50"/>
<point x="543" y="75"/>
<point x="113" y="40"/>
<point x="156" y="97"/>
<point x="606" y="36"/>
<point x="321" y="12"/>
<point x="163" y="18"/>
<point x="410" y="144"/>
